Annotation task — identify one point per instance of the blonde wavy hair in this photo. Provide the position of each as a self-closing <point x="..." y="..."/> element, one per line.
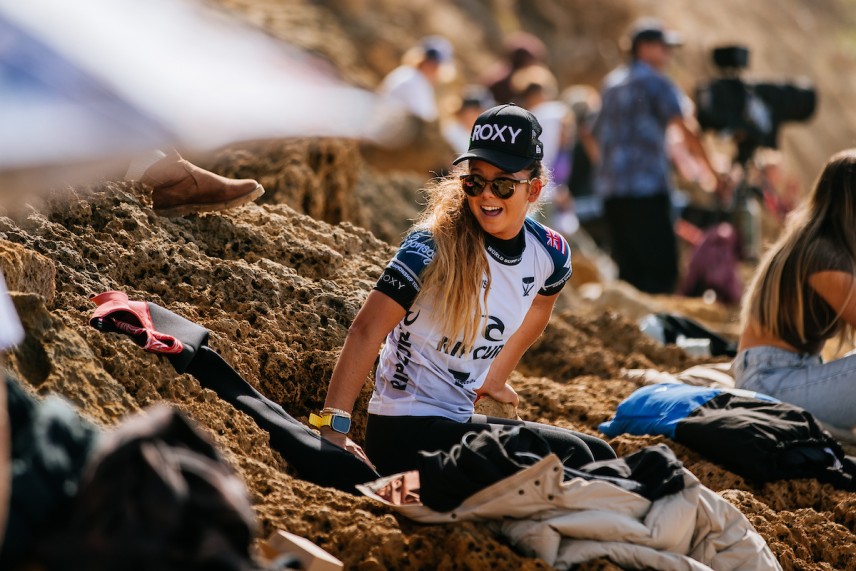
<point x="458" y="278"/>
<point x="776" y="299"/>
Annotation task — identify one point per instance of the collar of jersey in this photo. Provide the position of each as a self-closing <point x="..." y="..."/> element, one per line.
<point x="508" y="252"/>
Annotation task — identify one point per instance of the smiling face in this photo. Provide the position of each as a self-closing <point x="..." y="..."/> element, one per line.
<point x="502" y="219"/>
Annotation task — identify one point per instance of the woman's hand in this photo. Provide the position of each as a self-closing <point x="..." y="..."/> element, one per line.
<point x="345" y="443"/>
<point x="504" y="393"/>
<point x="533" y="325"/>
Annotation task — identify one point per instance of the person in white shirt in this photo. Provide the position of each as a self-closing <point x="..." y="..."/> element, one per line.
<point x="412" y="83"/>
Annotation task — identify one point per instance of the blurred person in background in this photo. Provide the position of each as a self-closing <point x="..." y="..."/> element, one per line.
<point x="473" y="101"/>
<point x="521" y="50"/>
<point x="582" y="157"/>
<point x="536" y="89"/>
<point x="412" y="83"/>
<point x="584" y="103"/>
<point x="633" y="177"/>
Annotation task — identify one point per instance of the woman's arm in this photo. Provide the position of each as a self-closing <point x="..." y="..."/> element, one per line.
<point x="379" y="314"/>
<point x="533" y="325"/>
<point x="372" y="324"/>
<point x="838" y="290"/>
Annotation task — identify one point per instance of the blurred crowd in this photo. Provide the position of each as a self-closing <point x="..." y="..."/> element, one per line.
<point x="633" y="185"/>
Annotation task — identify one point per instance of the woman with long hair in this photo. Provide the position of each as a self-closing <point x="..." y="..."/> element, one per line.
<point x="470" y="289"/>
<point x="802" y="296"/>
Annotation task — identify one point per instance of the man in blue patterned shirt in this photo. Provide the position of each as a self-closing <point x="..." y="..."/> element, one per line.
<point x="633" y="178"/>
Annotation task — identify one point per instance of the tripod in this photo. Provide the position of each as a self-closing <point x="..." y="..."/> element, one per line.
<point x="744" y="212"/>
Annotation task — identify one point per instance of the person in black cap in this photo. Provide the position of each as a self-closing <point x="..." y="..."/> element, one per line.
<point x="639" y="103"/>
<point x="470" y="289"/>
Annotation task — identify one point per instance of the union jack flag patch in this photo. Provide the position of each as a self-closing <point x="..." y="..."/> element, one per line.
<point x="555" y="240"/>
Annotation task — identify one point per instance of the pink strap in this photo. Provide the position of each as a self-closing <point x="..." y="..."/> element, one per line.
<point x="133" y="318"/>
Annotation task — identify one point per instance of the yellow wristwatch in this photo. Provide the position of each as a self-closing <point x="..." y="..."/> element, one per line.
<point x="338" y="422"/>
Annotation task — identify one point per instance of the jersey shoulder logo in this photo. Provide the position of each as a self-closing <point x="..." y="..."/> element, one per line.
<point x="555" y="240"/>
<point x="417" y="246"/>
<point x="551" y="240"/>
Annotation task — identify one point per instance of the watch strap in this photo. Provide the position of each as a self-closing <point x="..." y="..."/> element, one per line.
<point x="319" y="421"/>
<point x="343" y="426"/>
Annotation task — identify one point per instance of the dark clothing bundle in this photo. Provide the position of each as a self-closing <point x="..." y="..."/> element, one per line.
<point x="484" y="458"/>
<point x="567" y="522"/>
<point x="152" y="494"/>
<point x="395" y="443"/>
<point x="751" y="434"/>
<point x="766" y="441"/>
<point x="51" y="445"/>
<point x="157" y="496"/>
<point x="676" y="325"/>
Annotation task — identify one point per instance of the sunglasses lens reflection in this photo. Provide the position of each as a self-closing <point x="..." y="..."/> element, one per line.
<point x="474" y="184"/>
<point x="503" y="188"/>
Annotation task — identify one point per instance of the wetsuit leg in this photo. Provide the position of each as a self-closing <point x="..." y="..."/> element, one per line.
<point x="393" y="442"/>
<point x="314" y="459"/>
<point x="559" y="438"/>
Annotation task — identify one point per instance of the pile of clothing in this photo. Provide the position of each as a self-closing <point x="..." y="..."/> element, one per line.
<point x="751" y="434"/>
<point x="641" y="511"/>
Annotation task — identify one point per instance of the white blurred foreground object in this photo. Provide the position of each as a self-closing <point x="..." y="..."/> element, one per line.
<point x="11" y="331"/>
<point x="11" y="334"/>
<point x="91" y="80"/>
<point x="310" y="556"/>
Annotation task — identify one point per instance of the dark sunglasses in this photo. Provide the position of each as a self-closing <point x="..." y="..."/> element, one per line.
<point x="502" y="187"/>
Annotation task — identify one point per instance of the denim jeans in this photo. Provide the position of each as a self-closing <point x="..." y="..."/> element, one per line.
<point x="827" y="390"/>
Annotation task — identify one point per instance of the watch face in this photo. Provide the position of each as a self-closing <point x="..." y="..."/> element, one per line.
<point x="340" y="424"/>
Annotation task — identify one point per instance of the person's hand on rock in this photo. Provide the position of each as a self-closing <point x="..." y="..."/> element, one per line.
<point x="503" y="393"/>
<point x="345" y="443"/>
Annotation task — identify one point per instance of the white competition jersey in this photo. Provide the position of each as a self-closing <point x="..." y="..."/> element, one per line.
<point x="423" y="373"/>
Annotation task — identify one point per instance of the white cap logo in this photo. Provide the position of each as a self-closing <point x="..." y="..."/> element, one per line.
<point x="494" y="132"/>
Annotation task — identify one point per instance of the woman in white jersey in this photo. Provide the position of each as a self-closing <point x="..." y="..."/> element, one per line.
<point x="470" y="289"/>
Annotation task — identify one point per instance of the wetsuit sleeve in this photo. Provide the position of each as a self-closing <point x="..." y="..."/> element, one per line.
<point x="560" y="254"/>
<point x="401" y="279"/>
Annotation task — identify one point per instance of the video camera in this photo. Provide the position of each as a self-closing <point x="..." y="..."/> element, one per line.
<point x="751" y="112"/>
